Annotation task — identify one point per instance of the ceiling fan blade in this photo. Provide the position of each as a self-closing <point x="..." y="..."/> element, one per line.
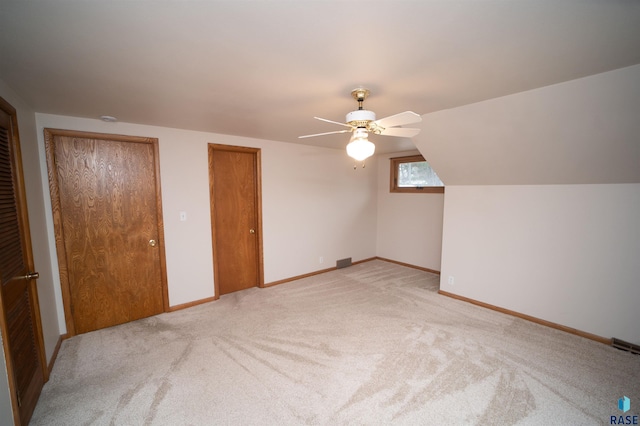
<point x="334" y="122"/>
<point x="407" y="117"/>
<point x="322" y="134"/>
<point x="401" y="132"/>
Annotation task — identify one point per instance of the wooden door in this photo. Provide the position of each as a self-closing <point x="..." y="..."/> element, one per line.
<point x="234" y="182"/>
<point x="19" y="309"/>
<point x="105" y="193"/>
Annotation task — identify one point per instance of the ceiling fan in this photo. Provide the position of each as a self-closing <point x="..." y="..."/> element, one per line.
<point x="361" y="122"/>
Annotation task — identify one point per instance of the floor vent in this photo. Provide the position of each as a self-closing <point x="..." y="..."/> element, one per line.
<point x="343" y="263"/>
<point x="625" y="346"/>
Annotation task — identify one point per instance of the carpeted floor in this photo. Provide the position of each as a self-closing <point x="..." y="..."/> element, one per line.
<point x="369" y="344"/>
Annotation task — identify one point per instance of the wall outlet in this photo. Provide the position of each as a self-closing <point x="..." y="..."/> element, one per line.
<point x="321" y="259"/>
<point x="183" y="216"/>
<point x="451" y="280"/>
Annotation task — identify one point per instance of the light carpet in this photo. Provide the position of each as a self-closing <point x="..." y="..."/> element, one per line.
<point x="370" y="344"/>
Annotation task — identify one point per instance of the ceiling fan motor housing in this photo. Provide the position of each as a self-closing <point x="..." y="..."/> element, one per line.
<point x="360" y="118"/>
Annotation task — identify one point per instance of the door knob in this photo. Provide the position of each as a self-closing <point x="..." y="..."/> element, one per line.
<point x="252" y="231"/>
<point x="30" y="276"/>
<point x="152" y="243"/>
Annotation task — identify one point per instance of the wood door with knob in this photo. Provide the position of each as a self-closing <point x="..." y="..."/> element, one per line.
<point x="20" y="323"/>
<point x="105" y="193"/>
<point x="236" y="221"/>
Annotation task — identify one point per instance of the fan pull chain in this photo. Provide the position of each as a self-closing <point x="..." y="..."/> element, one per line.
<point x="355" y="166"/>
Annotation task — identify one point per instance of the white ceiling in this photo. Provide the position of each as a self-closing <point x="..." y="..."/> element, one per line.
<point x="263" y="69"/>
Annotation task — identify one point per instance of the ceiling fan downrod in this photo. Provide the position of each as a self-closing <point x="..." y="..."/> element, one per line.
<point x="360" y="94"/>
<point x="360" y="118"/>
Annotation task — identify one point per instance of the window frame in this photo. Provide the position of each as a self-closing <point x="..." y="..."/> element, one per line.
<point x="393" y="187"/>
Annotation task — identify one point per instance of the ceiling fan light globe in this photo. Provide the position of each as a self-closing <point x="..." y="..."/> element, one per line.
<point x="360" y="149"/>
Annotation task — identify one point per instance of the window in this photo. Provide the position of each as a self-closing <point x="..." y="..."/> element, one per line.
<point x="414" y="174"/>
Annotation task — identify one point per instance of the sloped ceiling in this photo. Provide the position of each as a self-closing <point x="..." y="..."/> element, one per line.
<point x="585" y="131"/>
<point x="263" y="69"/>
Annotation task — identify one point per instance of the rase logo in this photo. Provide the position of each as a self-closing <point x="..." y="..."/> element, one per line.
<point x="624" y="405"/>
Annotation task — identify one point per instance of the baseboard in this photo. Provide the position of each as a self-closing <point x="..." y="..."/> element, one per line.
<point x="190" y="304"/>
<point x="54" y="356"/>
<point x="550" y="324"/>
<point x="310" y="274"/>
<point x="408" y="265"/>
<point x="298" y="277"/>
<point x="286" y="280"/>
<point x="369" y="259"/>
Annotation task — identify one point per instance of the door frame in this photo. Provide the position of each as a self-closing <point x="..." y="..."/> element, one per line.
<point x="52" y="172"/>
<point x="23" y="217"/>
<point x="257" y="168"/>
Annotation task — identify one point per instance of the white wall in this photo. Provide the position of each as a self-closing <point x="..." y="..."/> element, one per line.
<point x="409" y="225"/>
<point x="563" y="253"/>
<point x="314" y="204"/>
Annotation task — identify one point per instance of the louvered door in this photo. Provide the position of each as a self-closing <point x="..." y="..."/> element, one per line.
<point x="20" y="315"/>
